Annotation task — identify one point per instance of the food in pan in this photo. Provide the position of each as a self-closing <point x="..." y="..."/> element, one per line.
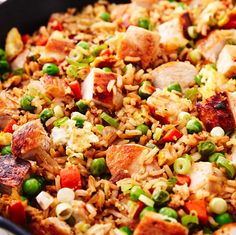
<point x="120" y="119"/>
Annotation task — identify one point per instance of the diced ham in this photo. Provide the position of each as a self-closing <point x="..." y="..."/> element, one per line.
<point x="177" y="28"/>
<point x="218" y="110"/>
<point x="166" y="106"/>
<point x="155" y="224"/>
<point x="171" y="72"/>
<point x="95" y="87"/>
<point x="125" y="160"/>
<point x="211" y="46"/>
<point x="12" y="172"/>
<point x="226" y="62"/>
<point x="144" y="3"/>
<point x="30" y="141"/>
<point x="139" y="42"/>
<point x="227" y="229"/>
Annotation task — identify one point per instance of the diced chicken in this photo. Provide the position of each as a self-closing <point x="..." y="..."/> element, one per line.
<point x="227" y="229"/>
<point x="177" y="28"/>
<point x="211" y="46"/>
<point x="226" y="62"/>
<point x="145" y="3"/>
<point x="155" y="224"/>
<point x="166" y="106"/>
<point x="233" y="155"/>
<point x="12" y="173"/>
<point x="232" y="103"/>
<point x="54" y="226"/>
<point x="217" y="111"/>
<point x="197" y="3"/>
<point x="95" y="87"/>
<point x="171" y="72"/>
<point x="31" y="141"/>
<point x="118" y="11"/>
<point x="137" y="42"/>
<point x="125" y="160"/>
<point x="199" y="176"/>
<point x="14" y="44"/>
<point x="20" y="60"/>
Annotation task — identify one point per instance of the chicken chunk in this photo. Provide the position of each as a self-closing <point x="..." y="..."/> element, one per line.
<point x="211" y="46"/>
<point x="227" y="229"/>
<point x="125" y="160"/>
<point x="177" y="28"/>
<point x="217" y="111"/>
<point x="95" y="87"/>
<point x="171" y="72"/>
<point x="226" y="62"/>
<point x="137" y="42"/>
<point x="144" y="3"/>
<point x="31" y="141"/>
<point x="155" y="224"/>
<point x="166" y="106"/>
<point x="12" y="172"/>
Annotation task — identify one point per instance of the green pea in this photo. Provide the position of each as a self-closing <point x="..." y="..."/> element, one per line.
<point x="169" y="212"/>
<point x="4" y="66"/>
<point x="144" y="90"/>
<point x="98" y="167"/>
<point x="25" y="103"/>
<point x="46" y="114"/>
<point x="6" y="150"/>
<point x="50" y="69"/>
<point x="224" y="218"/>
<point x="79" y="122"/>
<point x="187" y="156"/>
<point x="126" y="230"/>
<point x="160" y="196"/>
<point x="82" y="106"/>
<point x="144" y="23"/>
<point x="135" y="192"/>
<point x="215" y="156"/>
<point x="189" y="221"/>
<point x="146" y="209"/>
<point x="174" y="87"/>
<point x="206" y="148"/>
<point x="31" y="187"/>
<point x="171" y="183"/>
<point x="2" y="54"/>
<point x="84" y="45"/>
<point x="107" y="70"/>
<point x="194" y="126"/>
<point x="105" y="16"/>
<point x="198" y="79"/>
<point x="143" y="128"/>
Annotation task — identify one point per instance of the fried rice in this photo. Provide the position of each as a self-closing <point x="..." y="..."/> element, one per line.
<point x="120" y="119"/>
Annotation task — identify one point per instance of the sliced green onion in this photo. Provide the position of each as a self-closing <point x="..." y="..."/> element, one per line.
<point x="88" y="59"/>
<point x="46" y="114"/>
<point x="25" y="103"/>
<point x="160" y="196"/>
<point x="72" y="71"/>
<point x="182" y="166"/>
<point x="146" y="200"/>
<point x="218" y="205"/>
<point x="135" y="193"/>
<point x="79" y="122"/>
<point x="192" y="32"/>
<point x="143" y="128"/>
<point x="19" y="71"/>
<point x="215" y="156"/>
<point x="168" y="212"/>
<point x="171" y="183"/>
<point x="189" y="221"/>
<point x="60" y="121"/>
<point x="146" y="209"/>
<point x="105" y="16"/>
<point x="225" y="163"/>
<point x="194" y="56"/>
<point x="174" y="87"/>
<point x="191" y="94"/>
<point x="144" y="23"/>
<point x="198" y="79"/>
<point x="151" y="145"/>
<point x="76" y="55"/>
<point x="6" y="150"/>
<point x="107" y="70"/>
<point x="217" y="132"/>
<point x="110" y="120"/>
<point x="99" y="48"/>
<point x="100" y="127"/>
<point x="82" y="106"/>
<point x="157" y="134"/>
<point x="144" y="90"/>
<point x="83" y="44"/>
<point x="187" y="156"/>
<point x="126" y="230"/>
<point x="184" y="117"/>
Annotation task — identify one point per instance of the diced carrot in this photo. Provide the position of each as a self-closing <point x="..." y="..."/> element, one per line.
<point x="200" y="207"/>
<point x="140" y="206"/>
<point x="25" y="38"/>
<point x="9" y="127"/>
<point x="172" y="135"/>
<point x="75" y="87"/>
<point x="16" y="212"/>
<point x="182" y="179"/>
<point x="41" y="41"/>
<point x="70" y="178"/>
<point x="106" y="52"/>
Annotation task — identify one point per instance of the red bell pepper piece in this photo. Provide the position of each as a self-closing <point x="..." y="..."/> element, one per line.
<point x="41" y="41"/>
<point x="9" y="127"/>
<point x="25" y="38"/>
<point x="16" y="211"/>
<point x="200" y="207"/>
<point x="70" y="178"/>
<point x="105" y="52"/>
<point x="140" y="206"/>
<point x="182" y="179"/>
<point x="55" y="24"/>
<point x="75" y="87"/>
<point x="172" y="135"/>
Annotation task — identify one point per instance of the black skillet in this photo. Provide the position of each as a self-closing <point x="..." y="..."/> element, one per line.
<point x="27" y="16"/>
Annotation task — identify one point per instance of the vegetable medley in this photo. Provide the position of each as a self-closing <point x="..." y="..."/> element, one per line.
<point x="120" y="119"/>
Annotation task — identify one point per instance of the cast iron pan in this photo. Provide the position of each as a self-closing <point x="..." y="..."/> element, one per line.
<point x="27" y="16"/>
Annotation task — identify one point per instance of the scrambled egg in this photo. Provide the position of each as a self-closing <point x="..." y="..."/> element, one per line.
<point x="76" y="139"/>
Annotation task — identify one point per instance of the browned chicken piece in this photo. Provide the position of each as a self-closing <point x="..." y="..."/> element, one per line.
<point x="155" y="224"/>
<point x="216" y="111"/>
<point x="211" y="46"/>
<point x="125" y="160"/>
<point x="54" y="226"/>
<point x="226" y="62"/>
<point x="55" y="87"/>
<point x="12" y="172"/>
<point x="95" y="87"/>
<point x="145" y="3"/>
<point x="227" y="229"/>
<point x="177" y="28"/>
<point x="139" y="43"/>
<point x="31" y="141"/>
<point x="171" y="72"/>
<point x="20" y="60"/>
